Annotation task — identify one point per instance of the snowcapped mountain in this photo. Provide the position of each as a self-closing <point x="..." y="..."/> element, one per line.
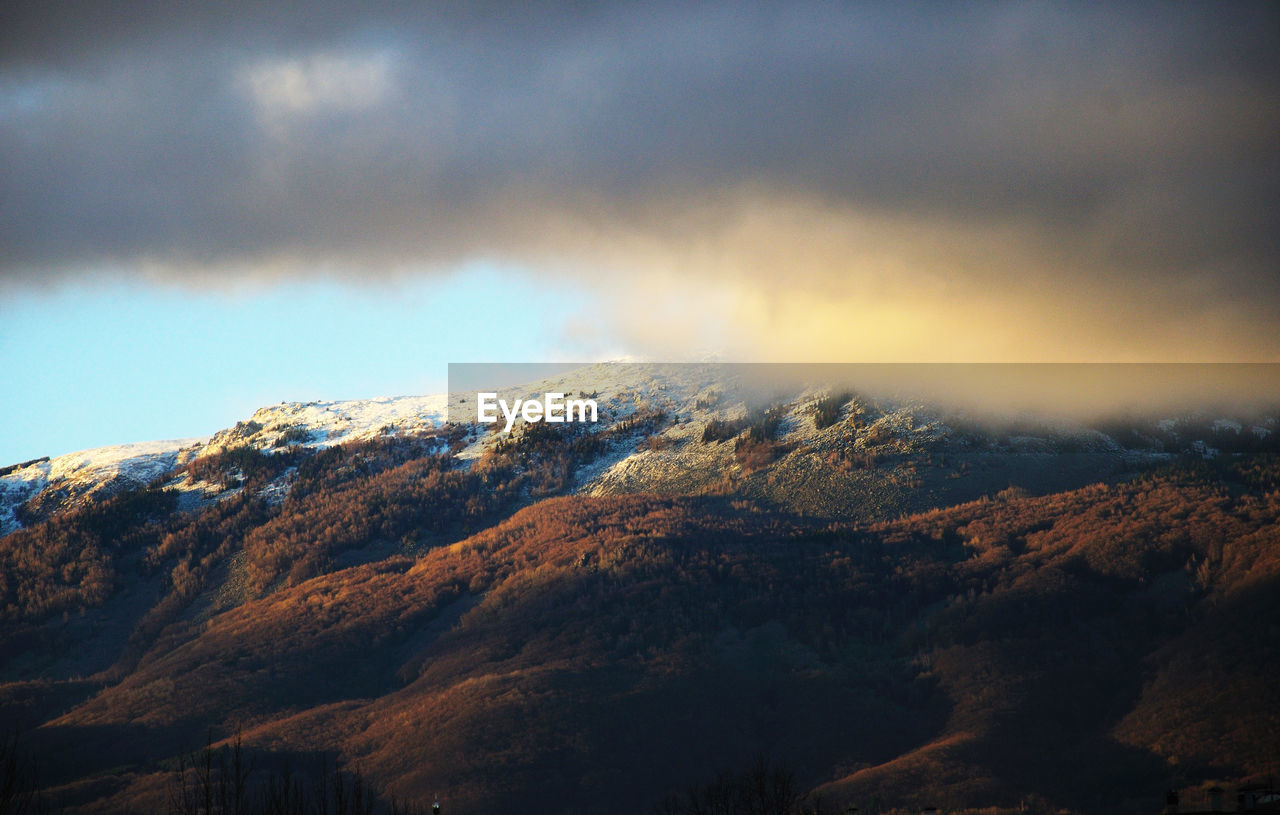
<point x="86" y="475"/>
<point x="687" y="428"/>
<point x="706" y="528"/>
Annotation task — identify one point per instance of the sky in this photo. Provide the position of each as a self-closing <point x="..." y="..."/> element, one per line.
<point x="208" y="207"/>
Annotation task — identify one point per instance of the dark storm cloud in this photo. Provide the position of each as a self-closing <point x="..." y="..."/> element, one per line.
<point x="1135" y="142"/>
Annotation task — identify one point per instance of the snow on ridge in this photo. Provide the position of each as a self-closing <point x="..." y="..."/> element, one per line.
<point x="141" y="459"/>
<point x="357" y="416"/>
<point x="326" y="423"/>
<point x="86" y="470"/>
<point x="313" y="424"/>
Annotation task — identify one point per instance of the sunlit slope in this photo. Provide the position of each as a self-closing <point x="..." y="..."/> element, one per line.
<point x="595" y="653"/>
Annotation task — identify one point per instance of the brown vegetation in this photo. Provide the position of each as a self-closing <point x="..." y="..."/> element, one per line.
<point x="1085" y="649"/>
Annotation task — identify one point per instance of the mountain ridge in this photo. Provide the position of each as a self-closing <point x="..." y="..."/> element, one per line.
<point x="891" y="601"/>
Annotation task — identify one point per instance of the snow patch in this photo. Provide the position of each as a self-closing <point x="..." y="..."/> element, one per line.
<point x="324" y="424"/>
<point x="88" y="472"/>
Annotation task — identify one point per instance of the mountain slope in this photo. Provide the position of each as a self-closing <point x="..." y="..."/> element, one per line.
<point x="906" y="607"/>
<point x="592" y="654"/>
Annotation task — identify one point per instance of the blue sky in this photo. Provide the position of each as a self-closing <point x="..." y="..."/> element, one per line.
<point x="96" y="363"/>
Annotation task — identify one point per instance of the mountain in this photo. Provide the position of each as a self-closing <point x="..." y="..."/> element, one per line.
<point x="34" y="490"/>
<point x="899" y="606"/>
<point x="676" y="403"/>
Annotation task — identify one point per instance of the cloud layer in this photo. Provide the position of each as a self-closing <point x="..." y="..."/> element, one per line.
<point x="989" y="182"/>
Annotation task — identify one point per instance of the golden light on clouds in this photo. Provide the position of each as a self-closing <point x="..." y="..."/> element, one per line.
<point x="809" y="180"/>
<point x="764" y="276"/>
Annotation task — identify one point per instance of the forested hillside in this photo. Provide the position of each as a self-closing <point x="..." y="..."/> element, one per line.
<point x="1085" y="649"/>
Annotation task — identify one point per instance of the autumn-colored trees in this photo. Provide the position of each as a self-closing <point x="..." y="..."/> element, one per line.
<point x="453" y="630"/>
<point x="70" y="562"/>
